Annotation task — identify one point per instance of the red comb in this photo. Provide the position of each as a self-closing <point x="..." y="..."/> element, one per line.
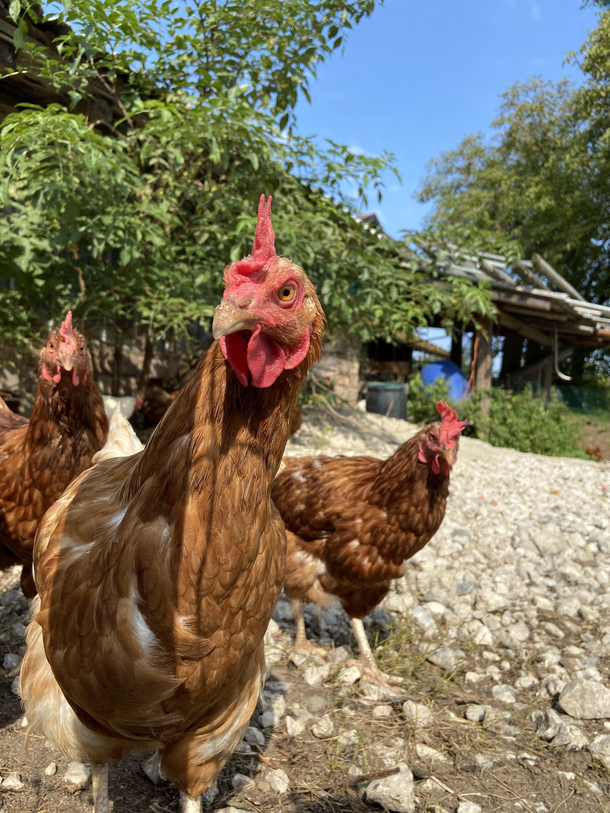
<point x="264" y="241"/>
<point x="65" y="330"/>
<point x="451" y="428"/>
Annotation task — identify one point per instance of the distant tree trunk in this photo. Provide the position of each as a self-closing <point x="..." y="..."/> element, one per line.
<point x="118" y="356"/>
<point x="149" y="349"/>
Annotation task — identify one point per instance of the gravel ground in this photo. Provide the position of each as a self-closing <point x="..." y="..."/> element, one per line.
<point x="500" y="629"/>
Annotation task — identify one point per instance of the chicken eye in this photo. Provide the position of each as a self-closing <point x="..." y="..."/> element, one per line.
<point x="286" y="293"/>
<point x="51" y="346"/>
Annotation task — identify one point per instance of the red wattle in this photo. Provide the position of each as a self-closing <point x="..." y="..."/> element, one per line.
<point x="234" y="348"/>
<point x="266" y="359"/>
<point x="57" y="377"/>
<point x="45" y="373"/>
<point x="75" y="378"/>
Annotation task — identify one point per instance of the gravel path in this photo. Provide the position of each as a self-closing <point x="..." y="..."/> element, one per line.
<point x="500" y="629"/>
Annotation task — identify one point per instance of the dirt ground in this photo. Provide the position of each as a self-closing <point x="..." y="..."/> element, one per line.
<point x="501" y="766"/>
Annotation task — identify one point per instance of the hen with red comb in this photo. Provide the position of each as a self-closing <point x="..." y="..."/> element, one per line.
<point x="352" y="522"/>
<point x="39" y="458"/>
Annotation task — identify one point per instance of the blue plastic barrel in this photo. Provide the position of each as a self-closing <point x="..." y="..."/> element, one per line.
<point x="455" y="378"/>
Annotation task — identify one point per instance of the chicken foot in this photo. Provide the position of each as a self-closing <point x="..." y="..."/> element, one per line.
<point x="301" y="644"/>
<point x="99" y="780"/>
<point x="371" y="673"/>
<point x="188" y="804"/>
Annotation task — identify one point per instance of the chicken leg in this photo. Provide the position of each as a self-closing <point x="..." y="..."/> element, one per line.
<point x="371" y="673"/>
<point x="99" y="780"/>
<point x="301" y="644"/>
<point x="189" y="805"/>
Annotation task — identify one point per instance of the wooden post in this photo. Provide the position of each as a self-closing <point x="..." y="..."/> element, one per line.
<point x="483" y="361"/>
<point x="511" y="356"/>
<point x="547" y="379"/>
<point x="456" y="348"/>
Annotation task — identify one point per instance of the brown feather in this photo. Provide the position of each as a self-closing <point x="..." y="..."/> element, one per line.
<point x="352" y="522"/>
<point x="158" y="574"/>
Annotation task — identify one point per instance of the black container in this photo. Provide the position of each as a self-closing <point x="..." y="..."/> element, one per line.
<point x="387" y="398"/>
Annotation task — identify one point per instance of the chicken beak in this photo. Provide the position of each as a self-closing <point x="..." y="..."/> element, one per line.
<point x="232" y="316"/>
<point x="67" y="362"/>
<point x="449" y="456"/>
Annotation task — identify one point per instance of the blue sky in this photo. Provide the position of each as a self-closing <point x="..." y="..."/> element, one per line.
<point x="419" y="75"/>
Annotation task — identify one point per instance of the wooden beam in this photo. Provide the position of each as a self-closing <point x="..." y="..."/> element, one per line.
<point x="428" y="347"/>
<point x="491" y="271"/>
<point x="549" y="272"/>
<point x="523" y="329"/>
<point x="526" y="300"/>
<point x="527" y="276"/>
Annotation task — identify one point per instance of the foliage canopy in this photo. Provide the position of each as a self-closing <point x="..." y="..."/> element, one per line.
<point x="136" y="220"/>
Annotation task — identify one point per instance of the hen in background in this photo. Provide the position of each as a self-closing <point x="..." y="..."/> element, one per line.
<point x="41" y="456"/>
<point x="158" y="573"/>
<point x="352" y="522"/>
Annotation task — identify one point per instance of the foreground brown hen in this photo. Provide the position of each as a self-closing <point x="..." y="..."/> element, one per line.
<point x="39" y="458"/>
<point x="352" y="522"/>
<point x="158" y="573"/>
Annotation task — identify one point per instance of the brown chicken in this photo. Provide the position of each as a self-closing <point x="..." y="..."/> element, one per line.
<point x="39" y="458"/>
<point x="158" y="573"/>
<point x="352" y="522"/>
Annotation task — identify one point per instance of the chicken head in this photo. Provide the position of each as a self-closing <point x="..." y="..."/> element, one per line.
<point x="65" y="352"/>
<point x="441" y="439"/>
<point x="265" y="320"/>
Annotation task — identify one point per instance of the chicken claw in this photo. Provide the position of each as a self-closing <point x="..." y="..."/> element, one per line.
<point x="301" y="644"/>
<point x="371" y="673"/>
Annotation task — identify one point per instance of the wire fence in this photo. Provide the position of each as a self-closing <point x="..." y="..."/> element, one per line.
<point x="585" y="400"/>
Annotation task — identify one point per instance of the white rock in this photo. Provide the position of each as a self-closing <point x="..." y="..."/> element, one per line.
<point x="600" y="748"/>
<point x="294" y="728"/>
<point x="395" y="793"/>
<point x="526" y="681"/>
<point x="254" y="735"/>
<point x="241" y="781"/>
<point x="382" y="712"/>
<point x="473" y="677"/>
<point x="444" y="657"/>
<point x="585" y="700"/>
<point x="469" y="807"/>
<point x="316" y="675"/>
<point x="51" y="769"/>
<point x="11" y="661"/>
<point x="349" y="675"/>
<point x="210" y="795"/>
<point x="278" y="780"/>
<point x="324" y="728"/>
<point x="269" y="719"/>
<point x="476" y="714"/>
<point x="13" y="782"/>
<point x="424" y="619"/>
<point x="77" y="775"/>
<point x="504" y="693"/>
<point x="428" y="754"/>
<point x="417" y="714"/>
<point x="15" y="686"/>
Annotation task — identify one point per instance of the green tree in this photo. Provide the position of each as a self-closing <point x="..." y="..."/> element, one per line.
<point x="137" y="221"/>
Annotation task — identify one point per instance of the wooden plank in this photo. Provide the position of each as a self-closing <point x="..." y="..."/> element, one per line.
<point x="549" y="272"/>
<point x="523" y="329"/>
<point x="528" y="276"/>
<point x="496" y="273"/>
<point x="524" y="299"/>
